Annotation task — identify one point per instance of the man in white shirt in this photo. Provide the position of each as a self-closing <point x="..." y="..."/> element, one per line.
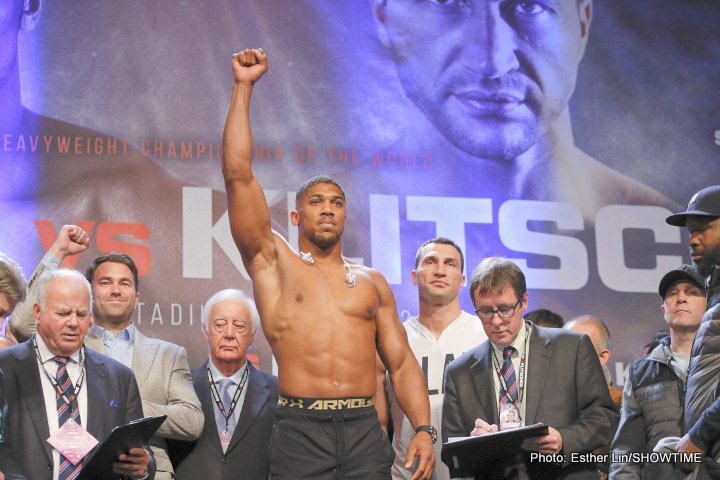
<point x="53" y="381"/>
<point x="441" y="332"/>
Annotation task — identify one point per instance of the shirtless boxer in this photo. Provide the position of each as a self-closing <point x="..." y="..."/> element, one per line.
<point x="324" y="318"/>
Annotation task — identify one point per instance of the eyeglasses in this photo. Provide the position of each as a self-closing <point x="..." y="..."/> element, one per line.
<point x="486" y="314"/>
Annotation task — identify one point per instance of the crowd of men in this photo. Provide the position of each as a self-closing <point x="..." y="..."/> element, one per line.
<point x="350" y="374"/>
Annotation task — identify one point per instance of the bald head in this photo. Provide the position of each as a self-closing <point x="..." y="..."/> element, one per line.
<point x="596" y="330"/>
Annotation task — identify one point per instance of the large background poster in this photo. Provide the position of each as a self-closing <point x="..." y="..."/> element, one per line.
<point x="558" y="133"/>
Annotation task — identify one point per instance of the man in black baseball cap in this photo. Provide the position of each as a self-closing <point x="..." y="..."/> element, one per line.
<point x="705" y="203"/>
<point x="659" y="376"/>
<point x="684" y="273"/>
<point x="702" y="219"/>
<point x="702" y="405"/>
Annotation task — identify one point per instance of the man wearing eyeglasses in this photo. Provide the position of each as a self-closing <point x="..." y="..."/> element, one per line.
<point x="528" y="373"/>
<point x="237" y="399"/>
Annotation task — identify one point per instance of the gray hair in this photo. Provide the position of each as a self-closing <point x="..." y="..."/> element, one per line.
<point x="64" y="273"/>
<point x="229" y="294"/>
<point x="493" y="274"/>
<point x="12" y="283"/>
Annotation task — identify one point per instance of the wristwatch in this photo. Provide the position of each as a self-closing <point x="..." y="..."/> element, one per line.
<point x="429" y="429"/>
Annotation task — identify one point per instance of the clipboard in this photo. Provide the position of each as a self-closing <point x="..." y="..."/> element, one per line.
<point x="135" y="434"/>
<point x="469" y="455"/>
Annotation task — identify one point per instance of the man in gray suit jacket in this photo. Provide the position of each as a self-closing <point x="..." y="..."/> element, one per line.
<point x="238" y="418"/>
<point x="531" y="373"/>
<point x="160" y="367"/>
<point x="104" y="392"/>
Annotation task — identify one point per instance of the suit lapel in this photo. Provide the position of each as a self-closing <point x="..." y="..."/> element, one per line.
<point x="32" y="394"/>
<point x="97" y="395"/>
<point x="202" y="389"/>
<point x="483" y="382"/>
<point x="537" y="369"/>
<point x="144" y="352"/>
<point x="255" y="398"/>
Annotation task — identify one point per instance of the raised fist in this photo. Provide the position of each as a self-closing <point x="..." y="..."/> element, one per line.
<point x="249" y="65"/>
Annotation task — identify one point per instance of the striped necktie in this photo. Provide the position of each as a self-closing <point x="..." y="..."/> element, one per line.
<point x="508" y="373"/>
<point x="66" y="411"/>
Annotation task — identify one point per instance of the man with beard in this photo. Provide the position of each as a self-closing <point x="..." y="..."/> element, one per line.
<point x="324" y="318"/>
<point x="702" y="403"/>
<point x="702" y="220"/>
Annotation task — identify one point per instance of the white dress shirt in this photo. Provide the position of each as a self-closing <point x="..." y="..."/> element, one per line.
<point x="236" y="378"/>
<point x="74" y="369"/>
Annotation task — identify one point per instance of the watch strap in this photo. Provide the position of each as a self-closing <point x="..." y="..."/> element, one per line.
<point x="429" y="429"/>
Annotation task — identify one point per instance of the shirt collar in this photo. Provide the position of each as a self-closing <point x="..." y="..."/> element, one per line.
<point x="47" y="356"/>
<point x="127" y="335"/>
<point x="518" y="343"/>
<point x="235" y="377"/>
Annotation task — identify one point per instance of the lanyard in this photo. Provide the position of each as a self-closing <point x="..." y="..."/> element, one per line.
<point x="53" y="380"/>
<point x="236" y="395"/>
<point x="521" y="372"/>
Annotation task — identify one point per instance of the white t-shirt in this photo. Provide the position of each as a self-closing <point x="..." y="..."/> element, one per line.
<point x="433" y="355"/>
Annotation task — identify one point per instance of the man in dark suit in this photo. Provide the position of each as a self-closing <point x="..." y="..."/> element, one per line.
<point x="238" y="400"/>
<point x="52" y="373"/>
<point x="531" y="373"/>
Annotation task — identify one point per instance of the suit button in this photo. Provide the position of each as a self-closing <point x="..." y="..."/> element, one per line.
<point x="50" y="467"/>
<point x="224" y="459"/>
